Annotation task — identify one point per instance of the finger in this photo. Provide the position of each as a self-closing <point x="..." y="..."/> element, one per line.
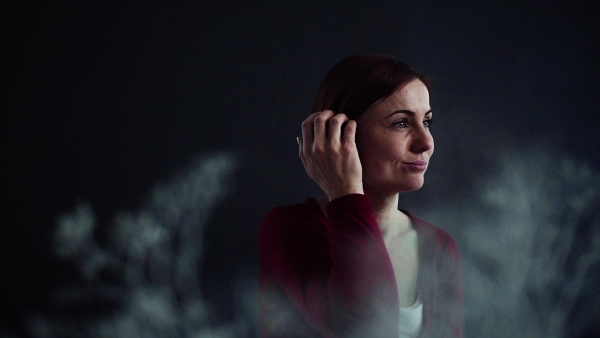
<point x="350" y="132"/>
<point x="307" y="130"/>
<point x="335" y="127"/>
<point x="320" y="126"/>
<point x="300" y="153"/>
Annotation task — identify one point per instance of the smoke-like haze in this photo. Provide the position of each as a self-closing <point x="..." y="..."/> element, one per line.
<point x="146" y="281"/>
<point x="528" y="243"/>
<point x="532" y="239"/>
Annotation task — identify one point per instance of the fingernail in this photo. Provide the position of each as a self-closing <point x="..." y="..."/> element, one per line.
<point x="298" y="140"/>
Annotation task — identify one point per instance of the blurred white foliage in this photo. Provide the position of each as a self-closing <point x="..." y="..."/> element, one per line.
<point x="524" y="264"/>
<point x="158" y="253"/>
<point x="519" y="239"/>
<point x="74" y="238"/>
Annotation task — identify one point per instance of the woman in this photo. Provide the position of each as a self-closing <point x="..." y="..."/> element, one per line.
<point x="350" y="263"/>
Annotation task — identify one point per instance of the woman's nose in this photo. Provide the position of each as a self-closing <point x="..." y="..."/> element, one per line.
<point x="422" y="140"/>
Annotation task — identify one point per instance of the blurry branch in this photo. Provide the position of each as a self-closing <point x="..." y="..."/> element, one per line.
<point x="146" y="281"/>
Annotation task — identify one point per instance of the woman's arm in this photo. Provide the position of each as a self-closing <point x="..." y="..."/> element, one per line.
<point x="337" y="272"/>
<point x="340" y="279"/>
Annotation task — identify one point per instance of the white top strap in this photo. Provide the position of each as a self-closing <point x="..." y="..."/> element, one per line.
<point x="411" y="319"/>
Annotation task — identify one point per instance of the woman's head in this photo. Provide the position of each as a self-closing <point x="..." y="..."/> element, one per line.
<point x="390" y="102"/>
<point x="358" y="81"/>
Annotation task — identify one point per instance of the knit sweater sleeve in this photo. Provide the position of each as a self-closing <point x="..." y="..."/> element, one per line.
<point x="337" y="273"/>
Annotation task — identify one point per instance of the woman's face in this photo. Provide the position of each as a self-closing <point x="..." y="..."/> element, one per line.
<point x="394" y="141"/>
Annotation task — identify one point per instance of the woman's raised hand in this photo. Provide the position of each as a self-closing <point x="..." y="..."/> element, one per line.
<point x="329" y="156"/>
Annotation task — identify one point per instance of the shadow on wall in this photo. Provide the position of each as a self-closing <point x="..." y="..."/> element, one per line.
<point x="530" y="240"/>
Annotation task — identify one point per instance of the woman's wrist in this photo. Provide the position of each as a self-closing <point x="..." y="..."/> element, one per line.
<point x="345" y="192"/>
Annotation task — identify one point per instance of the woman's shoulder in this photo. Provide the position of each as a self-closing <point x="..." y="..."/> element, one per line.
<point x="289" y="223"/>
<point x="307" y="208"/>
<point x="286" y="217"/>
<point x="433" y="235"/>
<point x="317" y="208"/>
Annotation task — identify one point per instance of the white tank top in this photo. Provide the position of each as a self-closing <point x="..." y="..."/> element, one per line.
<point x="411" y="319"/>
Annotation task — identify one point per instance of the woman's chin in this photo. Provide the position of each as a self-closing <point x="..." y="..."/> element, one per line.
<point x="412" y="185"/>
<point x="398" y="187"/>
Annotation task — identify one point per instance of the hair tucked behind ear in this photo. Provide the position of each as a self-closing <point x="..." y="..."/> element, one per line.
<point x="358" y="81"/>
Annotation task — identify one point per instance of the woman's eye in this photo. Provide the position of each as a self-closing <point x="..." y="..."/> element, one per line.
<point x="401" y="124"/>
<point x="428" y="123"/>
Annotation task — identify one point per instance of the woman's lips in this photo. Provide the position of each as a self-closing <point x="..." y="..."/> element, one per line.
<point x="417" y="165"/>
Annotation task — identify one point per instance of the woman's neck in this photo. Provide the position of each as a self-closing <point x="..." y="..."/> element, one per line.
<point x="391" y="220"/>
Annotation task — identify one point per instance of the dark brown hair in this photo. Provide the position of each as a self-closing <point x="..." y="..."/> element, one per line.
<point x="358" y="81"/>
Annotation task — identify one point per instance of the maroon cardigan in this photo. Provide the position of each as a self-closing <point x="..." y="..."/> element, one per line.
<point x="331" y="276"/>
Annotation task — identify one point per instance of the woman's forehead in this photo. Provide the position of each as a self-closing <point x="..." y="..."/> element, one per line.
<point x="414" y="97"/>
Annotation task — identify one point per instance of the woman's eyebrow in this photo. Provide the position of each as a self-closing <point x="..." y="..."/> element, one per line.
<point x="409" y="112"/>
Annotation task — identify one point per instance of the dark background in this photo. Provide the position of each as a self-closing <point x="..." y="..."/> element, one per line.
<point x="103" y="99"/>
